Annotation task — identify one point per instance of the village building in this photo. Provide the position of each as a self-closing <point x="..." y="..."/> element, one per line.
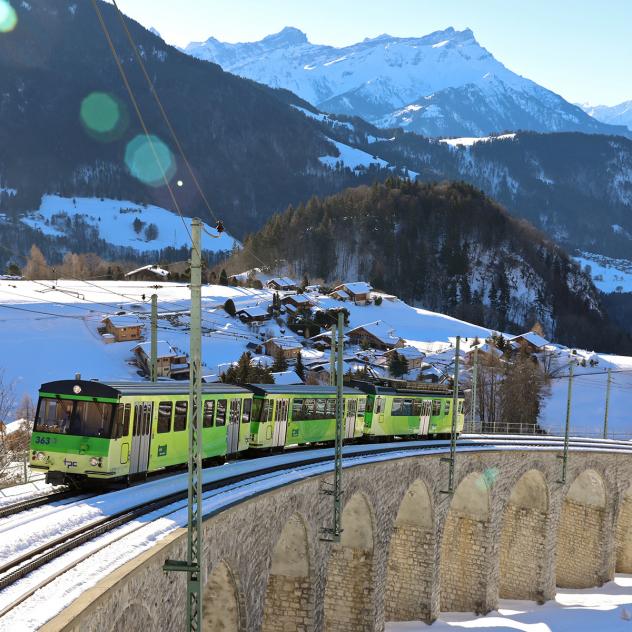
<point x="323" y="341"/>
<point x="254" y="314"/>
<point x="169" y="362"/>
<point x="413" y="356"/>
<point x="358" y="292"/>
<point x="284" y="284"/>
<point x="148" y="272"/>
<point x="124" y="327"/>
<point x="289" y="347"/>
<point x="378" y="334"/>
<point x="483" y="350"/>
<point x="298" y="302"/>
<point x="530" y="342"/>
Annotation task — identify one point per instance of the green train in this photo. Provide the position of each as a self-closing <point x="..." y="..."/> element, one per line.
<point x="87" y="431"/>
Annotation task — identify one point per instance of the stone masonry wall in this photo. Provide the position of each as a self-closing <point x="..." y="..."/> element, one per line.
<point x="287" y="604"/>
<point x="349" y="591"/>
<point x="464" y="564"/>
<point x="522" y="553"/>
<point x="624" y="537"/>
<point x="409" y="574"/>
<point x="579" y="545"/>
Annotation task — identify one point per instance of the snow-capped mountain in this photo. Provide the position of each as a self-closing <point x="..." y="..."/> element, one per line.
<point x="613" y="115"/>
<point x="444" y="83"/>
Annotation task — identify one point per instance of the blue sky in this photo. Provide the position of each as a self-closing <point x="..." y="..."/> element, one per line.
<point x="581" y="49"/>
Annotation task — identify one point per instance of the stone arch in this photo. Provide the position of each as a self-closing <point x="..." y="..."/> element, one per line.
<point x="580" y="532"/>
<point x="523" y="539"/>
<point x="465" y="547"/>
<point x="288" y="594"/>
<point x="221" y="604"/>
<point x="411" y="558"/>
<point x="624" y="534"/>
<point x="349" y="588"/>
<point x="135" y="617"/>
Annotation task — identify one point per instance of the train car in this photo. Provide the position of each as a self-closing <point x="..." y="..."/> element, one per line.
<point x="120" y="430"/>
<point x="423" y="411"/>
<point x="297" y="415"/>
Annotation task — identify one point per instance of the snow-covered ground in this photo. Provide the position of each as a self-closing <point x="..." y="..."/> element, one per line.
<point x="468" y="141"/>
<point x="607" y="609"/>
<point x="114" y="221"/>
<point x="608" y="274"/>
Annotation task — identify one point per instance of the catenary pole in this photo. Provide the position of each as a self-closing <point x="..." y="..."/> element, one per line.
<point x="339" y="437"/>
<point x="193" y="563"/>
<point x="332" y="357"/>
<point x="453" y="431"/>
<point x="564" y="456"/>
<point x="154" y="338"/>
<point x="474" y="389"/>
<point x="605" y="415"/>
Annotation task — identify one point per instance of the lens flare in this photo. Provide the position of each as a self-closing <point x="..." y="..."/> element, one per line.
<point x="488" y="478"/>
<point x="142" y="156"/>
<point x="103" y="116"/>
<point x="8" y="17"/>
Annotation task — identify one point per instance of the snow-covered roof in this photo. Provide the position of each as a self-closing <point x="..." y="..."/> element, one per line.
<point x="287" y="377"/>
<point x="165" y="350"/>
<point x="282" y="282"/>
<point x="161" y="272"/>
<point x="340" y="293"/>
<point x="297" y="298"/>
<point x="410" y="353"/>
<point x="286" y="343"/>
<point x="485" y="347"/>
<point x="357" y="287"/>
<point x="380" y="330"/>
<point x="255" y="311"/>
<point x="124" y="321"/>
<point x="531" y="337"/>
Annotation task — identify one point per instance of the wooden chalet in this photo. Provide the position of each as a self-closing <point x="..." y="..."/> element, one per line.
<point x="284" y="284"/>
<point x="124" y="327"/>
<point x="299" y="302"/>
<point x="254" y="314"/>
<point x="170" y="362"/>
<point x="378" y="334"/>
<point x="530" y="342"/>
<point x="358" y="292"/>
<point x="289" y="347"/>
<point x="414" y="357"/>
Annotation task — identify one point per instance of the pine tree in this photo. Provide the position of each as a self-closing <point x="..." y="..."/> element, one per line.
<point x="300" y="368"/>
<point x="280" y="363"/>
<point x="223" y="277"/>
<point x="229" y="307"/>
<point x="397" y="365"/>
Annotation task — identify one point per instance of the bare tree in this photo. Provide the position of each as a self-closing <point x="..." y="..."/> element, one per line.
<point x="7" y="402"/>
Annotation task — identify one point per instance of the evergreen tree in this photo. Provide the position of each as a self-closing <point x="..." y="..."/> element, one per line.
<point x="223" y="277"/>
<point x="299" y="368"/>
<point x="245" y="373"/>
<point x="280" y="363"/>
<point x="138" y="225"/>
<point x="229" y="307"/>
<point x="397" y="365"/>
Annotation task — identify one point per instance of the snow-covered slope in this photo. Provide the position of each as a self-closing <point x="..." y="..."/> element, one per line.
<point x="613" y="115"/>
<point x="444" y="83"/>
<point x="113" y="221"/>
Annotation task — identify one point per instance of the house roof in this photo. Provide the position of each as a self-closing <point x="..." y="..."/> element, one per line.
<point x="297" y="298"/>
<point x="157" y="270"/>
<point x="254" y="311"/>
<point x="165" y="350"/>
<point x="485" y="347"/>
<point x="282" y="282"/>
<point x="356" y="287"/>
<point x="124" y="321"/>
<point x="340" y="293"/>
<point x="287" y="377"/>
<point x="410" y="353"/>
<point x="535" y="339"/>
<point x="286" y="343"/>
<point x="380" y="330"/>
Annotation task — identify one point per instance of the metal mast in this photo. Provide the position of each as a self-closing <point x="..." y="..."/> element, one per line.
<point x="154" y="337"/>
<point x="605" y="416"/>
<point x="564" y="455"/>
<point x="455" y="404"/>
<point x="193" y="564"/>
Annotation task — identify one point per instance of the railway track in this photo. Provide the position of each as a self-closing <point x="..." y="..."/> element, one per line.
<point x="37" y="501"/>
<point x="26" y="563"/>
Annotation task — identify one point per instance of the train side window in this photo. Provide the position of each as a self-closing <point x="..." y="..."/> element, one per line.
<point x="446" y="407"/>
<point x="220" y="418"/>
<point x="164" y="416"/>
<point x="416" y="407"/>
<point x="379" y="405"/>
<point x="436" y="407"/>
<point x="460" y="409"/>
<point x="235" y="411"/>
<point x="297" y="410"/>
<point x="122" y="420"/>
<point x="209" y="411"/>
<point x="180" y="416"/>
<point x="245" y="411"/>
<point x="397" y="408"/>
<point x="320" y="408"/>
<point x="308" y="408"/>
<point x="331" y="408"/>
<point x="361" y="406"/>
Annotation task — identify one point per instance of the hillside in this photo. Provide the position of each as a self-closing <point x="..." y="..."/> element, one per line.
<point x="446" y="247"/>
<point x="441" y="84"/>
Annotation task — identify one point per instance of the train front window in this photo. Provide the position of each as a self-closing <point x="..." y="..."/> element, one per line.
<point x="84" y="419"/>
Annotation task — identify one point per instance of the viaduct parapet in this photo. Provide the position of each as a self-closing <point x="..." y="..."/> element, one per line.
<point x="408" y="550"/>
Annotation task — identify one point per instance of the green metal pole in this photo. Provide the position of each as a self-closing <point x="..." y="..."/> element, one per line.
<point x="605" y="416"/>
<point x="453" y="432"/>
<point x="339" y="436"/>
<point x="154" y="338"/>
<point x="193" y="564"/>
<point x="474" y="388"/>
<point x="568" y="422"/>
<point x="332" y="357"/>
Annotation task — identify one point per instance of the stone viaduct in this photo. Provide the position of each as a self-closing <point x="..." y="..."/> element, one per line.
<point x="408" y="551"/>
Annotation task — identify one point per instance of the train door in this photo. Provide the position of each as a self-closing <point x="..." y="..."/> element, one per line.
<point x="141" y="437"/>
<point x="424" y="417"/>
<point x="232" y="429"/>
<point x="280" y="422"/>
<point x="350" y="419"/>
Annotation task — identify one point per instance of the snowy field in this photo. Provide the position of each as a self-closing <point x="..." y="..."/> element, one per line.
<point x="608" y="274"/>
<point x="49" y="332"/>
<point x="608" y="608"/>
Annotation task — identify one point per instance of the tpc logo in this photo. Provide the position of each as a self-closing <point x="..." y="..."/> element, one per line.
<point x="68" y="463"/>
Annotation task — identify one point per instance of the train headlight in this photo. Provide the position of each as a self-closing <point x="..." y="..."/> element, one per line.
<point x="94" y="461"/>
<point x="40" y="456"/>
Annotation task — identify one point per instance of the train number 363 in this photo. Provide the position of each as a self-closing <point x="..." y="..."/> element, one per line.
<point x="45" y="440"/>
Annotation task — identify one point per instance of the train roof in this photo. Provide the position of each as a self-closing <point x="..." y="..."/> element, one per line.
<point x="377" y="389"/>
<point x="115" y="390"/>
<point x="299" y="389"/>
